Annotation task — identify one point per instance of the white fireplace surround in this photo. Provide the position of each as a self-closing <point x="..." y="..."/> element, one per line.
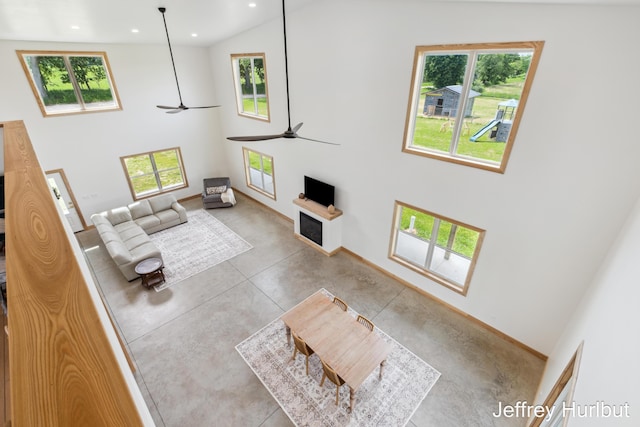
<point x="331" y="225"/>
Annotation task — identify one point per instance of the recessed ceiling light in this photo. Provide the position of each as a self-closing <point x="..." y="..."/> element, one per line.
<point x="75" y="27"/>
<point x="252" y="5"/>
<point x="194" y="35"/>
<point x="135" y="30"/>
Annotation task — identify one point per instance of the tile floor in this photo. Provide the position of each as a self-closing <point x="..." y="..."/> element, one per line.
<point x="182" y="339"/>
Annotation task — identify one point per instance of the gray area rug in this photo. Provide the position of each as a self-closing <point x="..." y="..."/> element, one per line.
<point x="391" y="401"/>
<point x="200" y="243"/>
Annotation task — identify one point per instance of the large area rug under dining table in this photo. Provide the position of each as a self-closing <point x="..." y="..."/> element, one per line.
<point x="390" y="401"/>
<point x="200" y="243"/>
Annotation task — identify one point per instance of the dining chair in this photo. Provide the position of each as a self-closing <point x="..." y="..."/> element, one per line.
<point x="328" y="372"/>
<point x="337" y="301"/>
<point x="366" y="322"/>
<point x="302" y="347"/>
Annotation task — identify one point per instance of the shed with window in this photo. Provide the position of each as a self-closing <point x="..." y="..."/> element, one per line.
<point x="444" y="101"/>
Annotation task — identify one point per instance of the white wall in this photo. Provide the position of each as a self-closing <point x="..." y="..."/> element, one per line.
<point x="571" y="180"/>
<point x="88" y="146"/>
<point x="607" y="320"/>
<point x="550" y="219"/>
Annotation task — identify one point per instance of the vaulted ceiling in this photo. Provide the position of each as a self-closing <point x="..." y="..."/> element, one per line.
<point x="114" y="21"/>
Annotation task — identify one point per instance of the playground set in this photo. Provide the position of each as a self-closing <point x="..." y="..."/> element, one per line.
<point x="444" y="102"/>
<point x="500" y="126"/>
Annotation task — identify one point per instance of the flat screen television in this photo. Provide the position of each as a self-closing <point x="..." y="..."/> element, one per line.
<point x="318" y="191"/>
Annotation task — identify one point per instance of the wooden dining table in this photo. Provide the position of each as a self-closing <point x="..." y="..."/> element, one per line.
<point x="351" y="349"/>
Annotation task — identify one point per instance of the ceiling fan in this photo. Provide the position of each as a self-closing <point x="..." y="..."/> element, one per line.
<point x="290" y="132"/>
<point x="181" y="107"/>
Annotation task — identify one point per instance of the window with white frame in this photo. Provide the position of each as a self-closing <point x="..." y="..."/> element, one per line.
<point x="259" y="172"/>
<point x="70" y="82"/>
<point x="154" y="172"/>
<point x="467" y="100"/>
<point x="437" y="247"/>
<point x="250" y="79"/>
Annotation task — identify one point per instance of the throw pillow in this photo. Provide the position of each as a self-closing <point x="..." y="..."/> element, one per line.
<point x="216" y="190"/>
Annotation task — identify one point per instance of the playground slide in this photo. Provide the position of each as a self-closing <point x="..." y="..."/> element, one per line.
<point x="484" y="130"/>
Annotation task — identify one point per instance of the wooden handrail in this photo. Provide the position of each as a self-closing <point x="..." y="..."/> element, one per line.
<point x="65" y="365"/>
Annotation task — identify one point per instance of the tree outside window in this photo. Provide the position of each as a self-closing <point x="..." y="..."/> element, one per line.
<point x="70" y="82"/>
<point x="250" y="78"/>
<point x="155" y="172"/>
<point x="466" y="101"/>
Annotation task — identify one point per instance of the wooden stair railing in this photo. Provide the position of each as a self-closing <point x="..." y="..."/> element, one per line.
<point x="66" y="366"/>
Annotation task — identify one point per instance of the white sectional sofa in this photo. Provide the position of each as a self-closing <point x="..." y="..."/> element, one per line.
<point x="125" y="230"/>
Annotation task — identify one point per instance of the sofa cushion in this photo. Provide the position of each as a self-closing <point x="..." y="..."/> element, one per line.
<point x="119" y="252"/>
<point x="148" y="222"/>
<point x="168" y="216"/>
<point x="161" y="203"/>
<point x="123" y="226"/>
<point x="140" y="209"/>
<point x="118" y="215"/>
<point x="146" y="250"/>
<point x="136" y="241"/>
<point x="99" y="219"/>
<point x="130" y="233"/>
<point x="103" y="227"/>
<point x="110" y="236"/>
<point x="216" y="197"/>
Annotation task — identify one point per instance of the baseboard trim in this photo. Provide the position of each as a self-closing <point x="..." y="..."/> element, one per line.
<point x="475" y="320"/>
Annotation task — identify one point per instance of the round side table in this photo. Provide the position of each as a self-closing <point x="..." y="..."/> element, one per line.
<point x="150" y="271"/>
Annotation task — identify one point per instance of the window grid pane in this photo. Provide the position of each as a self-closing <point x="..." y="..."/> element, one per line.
<point x="259" y="172"/>
<point x="467" y="102"/>
<point x="69" y="83"/>
<point x="436" y="247"/>
<point x="155" y="172"/>
<point x="144" y="184"/>
<point x="92" y="78"/>
<point x="251" y="85"/>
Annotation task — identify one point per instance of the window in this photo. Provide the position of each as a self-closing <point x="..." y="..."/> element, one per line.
<point x="466" y="101"/>
<point x="70" y="82"/>
<point x="439" y="248"/>
<point x="155" y="172"/>
<point x="250" y="78"/>
<point x="259" y="172"/>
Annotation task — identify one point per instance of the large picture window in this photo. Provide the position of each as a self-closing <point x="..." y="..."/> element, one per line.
<point x="466" y="101"/>
<point x="437" y="247"/>
<point x="70" y="82"/>
<point x="155" y="172"/>
<point x="250" y="78"/>
<point x="259" y="172"/>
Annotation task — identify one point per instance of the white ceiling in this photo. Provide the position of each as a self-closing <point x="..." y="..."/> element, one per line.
<point x="111" y="21"/>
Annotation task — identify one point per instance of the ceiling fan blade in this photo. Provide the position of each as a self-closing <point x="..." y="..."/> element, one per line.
<point x="297" y="127"/>
<point x="175" y="111"/>
<point x="254" y="138"/>
<point x="316" y="140"/>
<point x="167" y="107"/>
